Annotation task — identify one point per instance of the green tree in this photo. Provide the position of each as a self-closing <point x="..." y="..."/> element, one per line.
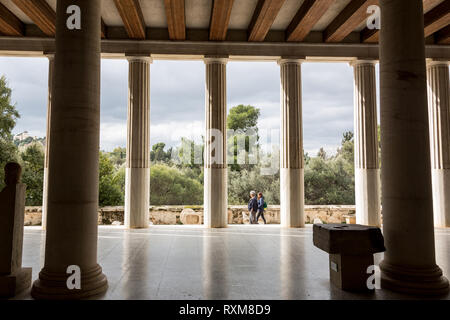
<point x="110" y="183"/>
<point x="243" y="118"/>
<point x="169" y="186"/>
<point x="244" y="121"/>
<point x="8" y="118"/>
<point x="32" y="161"/>
<point x="240" y="183"/>
<point x="118" y="156"/>
<point x="322" y="154"/>
<point x="157" y="154"/>
<point x="330" y="180"/>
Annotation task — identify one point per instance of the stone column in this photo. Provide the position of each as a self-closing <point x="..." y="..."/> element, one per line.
<point x="409" y="263"/>
<point x="291" y="145"/>
<point x="439" y="114"/>
<point x="367" y="170"/>
<point x="215" y="174"/>
<point x="51" y="62"/>
<point x="71" y="238"/>
<point x="137" y="185"/>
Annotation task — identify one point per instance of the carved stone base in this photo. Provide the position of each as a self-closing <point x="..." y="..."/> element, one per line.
<point x="53" y="286"/>
<point x="413" y="281"/>
<point x="13" y="284"/>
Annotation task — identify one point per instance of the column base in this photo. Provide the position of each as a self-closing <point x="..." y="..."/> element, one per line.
<point x="53" y="286"/>
<point x="429" y="282"/>
<point x="292" y="198"/>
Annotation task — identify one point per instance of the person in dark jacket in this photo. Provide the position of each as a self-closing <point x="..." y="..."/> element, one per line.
<point x="252" y="207"/>
<point x="260" y="208"/>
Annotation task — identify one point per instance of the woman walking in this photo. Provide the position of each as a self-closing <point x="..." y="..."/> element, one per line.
<point x="261" y="205"/>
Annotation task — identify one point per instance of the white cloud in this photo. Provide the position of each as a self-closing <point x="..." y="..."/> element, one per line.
<point x="112" y="135"/>
<point x="178" y="93"/>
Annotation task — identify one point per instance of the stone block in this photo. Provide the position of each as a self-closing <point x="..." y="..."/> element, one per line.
<point x="351" y="249"/>
<point x="13" y="284"/>
<point x="348" y="239"/>
<point x="245" y="217"/>
<point x="13" y="278"/>
<point x="349" y="272"/>
<point x="189" y="216"/>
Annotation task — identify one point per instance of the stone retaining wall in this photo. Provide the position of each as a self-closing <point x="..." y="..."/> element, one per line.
<point x="236" y="214"/>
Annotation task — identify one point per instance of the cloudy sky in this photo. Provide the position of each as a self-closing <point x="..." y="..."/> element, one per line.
<point x="177" y="98"/>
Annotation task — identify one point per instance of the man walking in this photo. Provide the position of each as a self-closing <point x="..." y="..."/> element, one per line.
<point x="252" y="207"/>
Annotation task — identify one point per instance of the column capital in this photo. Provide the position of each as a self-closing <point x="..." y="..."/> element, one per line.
<point x="139" y="58"/>
<point x="292" y="60"/>
<point x="50" y="55"/>
<point x="359" y="62"/>
<point x="215" y="59"/>
<point x="437" y="62"/>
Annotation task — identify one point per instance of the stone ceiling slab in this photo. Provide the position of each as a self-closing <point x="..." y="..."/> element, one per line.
<point x="286" y="14"/>
<point x="198" y="13"/>
<point x="242" y="14"/>
<point x="154" y="13"/>
<point x="110" y="15"/>
<point x="331" y="14"/>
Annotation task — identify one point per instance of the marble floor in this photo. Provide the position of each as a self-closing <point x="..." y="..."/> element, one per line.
<point x="239" y="262"/>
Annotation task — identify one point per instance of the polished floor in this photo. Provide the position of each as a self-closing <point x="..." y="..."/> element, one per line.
<point x="239" y="262"/>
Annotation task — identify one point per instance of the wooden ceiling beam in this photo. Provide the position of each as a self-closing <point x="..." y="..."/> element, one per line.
<point x="437" y="18"/>
<point x="348" y="20"/>
<point x="10" y="25"/>
<point x="443" y="36"/>
<point x="220" y="18"/>
<point x="104" y="28"/>
<point x="265" y="14"/>
<point x="306" y="18"/>
<point x="40" y="12"/>
<point x="131" y="13"/>
<point x="176" y="19"/>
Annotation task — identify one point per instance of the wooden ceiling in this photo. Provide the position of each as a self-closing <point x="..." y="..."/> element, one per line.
<point x="312" y="21"/>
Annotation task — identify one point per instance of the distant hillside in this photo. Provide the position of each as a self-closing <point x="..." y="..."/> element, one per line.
<point x="24" y="140"/>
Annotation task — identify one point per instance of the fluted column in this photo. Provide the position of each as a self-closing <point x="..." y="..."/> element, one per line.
<point x="215" y="174"/>
<point x="71" y="238"/>
<point x="367" y="171"/>
<point x="439" y="114"/>
<point x="409" y="263"/>
<point x="137" y="185"/>
<point x="51" y="62"/>
<point x="291" y="145"/>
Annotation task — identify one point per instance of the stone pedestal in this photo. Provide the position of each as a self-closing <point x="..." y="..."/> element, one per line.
<point x="439" y="119"/>
<point x="291" y="145"/>
<point x="71" y="237"/>
<point x="367" y="172"/>
<point x="351" y="249"/>
<point x="13" y="284"/>
<point x="137" y="174"/>
<point x="215" y="164"/>
<point x="409" y="263"/>
<point x="13" y="278"/>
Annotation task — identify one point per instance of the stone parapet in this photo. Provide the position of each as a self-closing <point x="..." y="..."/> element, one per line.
<point x="236" y="214"/>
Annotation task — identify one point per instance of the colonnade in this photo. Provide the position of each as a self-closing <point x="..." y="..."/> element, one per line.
<point x="367" y="160"/>
<point x="71" y="188"/>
